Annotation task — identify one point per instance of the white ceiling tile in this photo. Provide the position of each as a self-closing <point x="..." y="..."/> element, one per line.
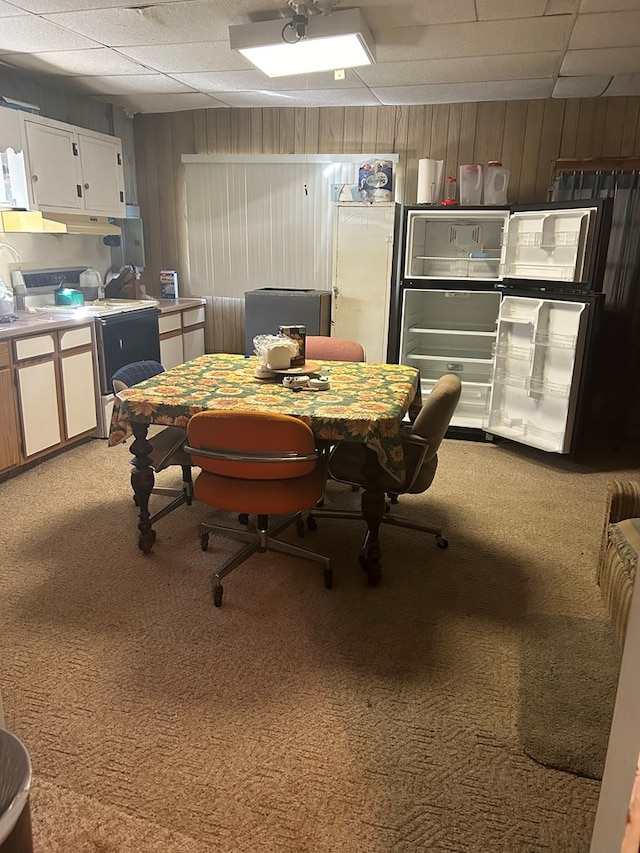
<point x="483" y="38"/>
<point x="390" y="15"/>
<point x="301" y="97"/>
<point x="608" y="5"/>
<point x="165" y="103"/>
<point x="612" y="29"/>
<point x="561" y="7"/>
<point x="609" y="61"/>
<point x="253" y="80"/>
<point x="580" y="87"/>
<point x="99" y="61"/>
<point x="129" y="84"/>
<point x="167" y="23"/>
<point x="206" y="56"/>
<point x="627" y="85"/>
<point x="495" y="10"/>
<point x="428" y="71"/>
<point x="454" y="93"/>
<point x="31" y="34"/>
<point x="8" y="10"/>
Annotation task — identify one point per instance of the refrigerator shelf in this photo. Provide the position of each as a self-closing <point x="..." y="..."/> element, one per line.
<point x="551" y="339"/>
<point x="532" y="386"/>
<point x="504" y="350"/>
<point x="459" y="331"/>
<point x="554" y="272"/>
<point x="457" y="359"/>
<point x="541" y="240"/>
<point x="458" y="267"/>
<point x="500" y="423"/>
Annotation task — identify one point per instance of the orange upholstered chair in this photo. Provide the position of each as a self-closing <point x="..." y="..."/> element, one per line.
<point x="324" y="348"/>
<point x="259" y="464"/>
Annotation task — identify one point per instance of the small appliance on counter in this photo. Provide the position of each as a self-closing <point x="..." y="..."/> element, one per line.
<point x="68" y="296"/>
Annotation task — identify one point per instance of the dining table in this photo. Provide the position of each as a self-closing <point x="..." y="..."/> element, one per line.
<point x="365" y="402"/>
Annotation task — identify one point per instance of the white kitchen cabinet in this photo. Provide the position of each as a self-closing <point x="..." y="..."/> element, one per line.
<point x="362" y="273"/>
<point x="181" y="335"/>
<point x="72" y="170"/>
<point x="38" y="398"/>
<point x="78" y="382"/>
<point x="171" y="350"/>
<point x="56" y="384"/>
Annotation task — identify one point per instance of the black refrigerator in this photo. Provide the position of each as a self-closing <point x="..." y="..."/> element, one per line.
<point x="508" y="298"/>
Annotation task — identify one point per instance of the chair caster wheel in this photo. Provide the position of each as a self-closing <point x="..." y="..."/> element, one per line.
<point x="243" y="518"/>
<point x="217" y="595"/>
<point x="328" y="578"/>
<point x="312" y="524"/>
<point x="300" y="527"/>
<point x="204" y="541"/>
<point x="441" y="542"/>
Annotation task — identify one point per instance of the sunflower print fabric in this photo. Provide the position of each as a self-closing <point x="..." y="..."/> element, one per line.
<point x="365" y="403"/>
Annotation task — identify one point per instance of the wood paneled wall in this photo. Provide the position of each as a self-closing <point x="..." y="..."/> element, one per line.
<point x="527" y="136"/>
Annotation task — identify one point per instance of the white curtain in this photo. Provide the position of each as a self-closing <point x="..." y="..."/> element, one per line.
<point x="263" y="221"/>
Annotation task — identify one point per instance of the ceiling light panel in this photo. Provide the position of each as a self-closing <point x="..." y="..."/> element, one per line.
<point x="339" y="40"/>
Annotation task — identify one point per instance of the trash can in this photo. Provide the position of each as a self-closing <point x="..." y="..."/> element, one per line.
<point x="15" y="782"/>
<point x="268" y="308"/>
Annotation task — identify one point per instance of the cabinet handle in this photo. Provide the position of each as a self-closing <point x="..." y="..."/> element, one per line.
<point x="79" y="190"/>
<point x="74" y="148"/>
<point x="119" y="159"/>
<point x="121" y="196"/>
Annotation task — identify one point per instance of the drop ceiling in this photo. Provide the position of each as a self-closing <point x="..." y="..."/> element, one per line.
<point x="172" y="55"/>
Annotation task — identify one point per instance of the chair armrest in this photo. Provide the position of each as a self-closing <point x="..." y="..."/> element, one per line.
<point x="623" y="500"/>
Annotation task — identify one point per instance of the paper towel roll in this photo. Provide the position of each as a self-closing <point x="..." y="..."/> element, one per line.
<point x="429" y="181"/>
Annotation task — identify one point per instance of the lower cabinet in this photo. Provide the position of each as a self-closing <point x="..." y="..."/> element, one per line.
<point x="9" y="429"/>
<point x="181" y="336"/>
<point x="56" y="389"/>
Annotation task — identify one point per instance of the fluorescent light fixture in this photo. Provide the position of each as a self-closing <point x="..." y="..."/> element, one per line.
<point x="339" y="40"/>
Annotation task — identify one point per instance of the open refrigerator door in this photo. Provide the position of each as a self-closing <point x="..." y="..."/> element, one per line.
<point x="536" y="374"/>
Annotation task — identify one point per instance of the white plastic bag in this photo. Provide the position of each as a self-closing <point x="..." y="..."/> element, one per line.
<point x="275" y="351"/>
<point x="7" y="305"/>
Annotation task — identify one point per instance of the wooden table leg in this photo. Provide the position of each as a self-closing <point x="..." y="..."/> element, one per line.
<point x="373" y="509"/>
<point x="142" y="480"/>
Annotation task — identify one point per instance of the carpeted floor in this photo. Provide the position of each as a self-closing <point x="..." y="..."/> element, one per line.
<point x="294" y="718"/>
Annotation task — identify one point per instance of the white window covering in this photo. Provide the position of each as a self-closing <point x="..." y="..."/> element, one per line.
<point x="263" y="221"/>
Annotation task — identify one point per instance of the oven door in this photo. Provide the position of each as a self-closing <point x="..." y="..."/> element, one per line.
<point x="125" y="338"/>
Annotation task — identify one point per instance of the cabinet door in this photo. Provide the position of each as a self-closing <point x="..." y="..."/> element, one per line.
<point x="78" y="393"/>
<point x="54" y="169"/>
<point x="363" y="250"/>
<point x="193" y="343"/>
<point x="102" y="174"/>
<point x="171" y="351"/>
<point x="9" y="438"/>
<point x="39" y="406"/>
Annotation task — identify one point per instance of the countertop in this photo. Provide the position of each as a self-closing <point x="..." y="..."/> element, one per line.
<point x="170" y="306"/>
<point x="54" y="321"/>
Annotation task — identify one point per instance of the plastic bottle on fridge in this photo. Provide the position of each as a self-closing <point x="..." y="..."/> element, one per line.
<point x="496" y="181"/>
<point x="450" y="192"/>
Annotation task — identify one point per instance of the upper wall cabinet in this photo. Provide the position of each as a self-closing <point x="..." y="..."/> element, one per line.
<point x="67" y="169"/>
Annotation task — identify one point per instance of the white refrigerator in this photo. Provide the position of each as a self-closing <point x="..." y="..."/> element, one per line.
<point x="508" y="299"/>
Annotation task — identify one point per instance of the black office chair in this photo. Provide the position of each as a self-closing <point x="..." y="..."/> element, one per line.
<point x="167" y="444"/>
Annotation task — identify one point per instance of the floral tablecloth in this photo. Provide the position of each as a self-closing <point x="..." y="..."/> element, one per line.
<point x="366" y="402"/>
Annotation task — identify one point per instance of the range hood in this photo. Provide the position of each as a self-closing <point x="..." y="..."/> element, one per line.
<point x="79" y="224"/>
<point x="34" y="222"/>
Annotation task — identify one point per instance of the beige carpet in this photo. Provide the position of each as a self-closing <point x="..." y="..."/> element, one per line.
<point x="294" y="718"/>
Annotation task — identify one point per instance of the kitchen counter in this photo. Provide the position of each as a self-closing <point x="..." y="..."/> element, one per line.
<point x="46" y="321"/>
<point x="170" y="306"/>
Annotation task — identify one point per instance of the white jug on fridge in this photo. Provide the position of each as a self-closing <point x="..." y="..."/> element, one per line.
<point x="496" y="181"/>
<point x="470" y="183"/>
